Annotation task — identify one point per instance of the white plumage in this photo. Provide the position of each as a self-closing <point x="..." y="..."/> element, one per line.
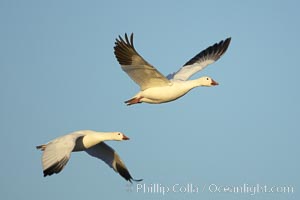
<point x="57" y="152"/>
<point x="155" y="87"/>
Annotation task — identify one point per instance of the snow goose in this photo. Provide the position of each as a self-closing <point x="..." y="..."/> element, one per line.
<point x="155" y="88"/>
<point x="58" y="151"/>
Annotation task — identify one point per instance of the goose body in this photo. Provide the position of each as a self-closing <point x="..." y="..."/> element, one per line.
<point x="156" y="88"/>
<point x="57" y="152"/>
<point x="163" y="94"/>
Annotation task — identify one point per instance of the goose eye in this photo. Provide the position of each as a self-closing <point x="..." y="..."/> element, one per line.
<point x="119" y="133"/>
<point x="206" y="78"/>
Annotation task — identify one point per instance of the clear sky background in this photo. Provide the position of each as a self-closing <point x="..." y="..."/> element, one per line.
<point x="58" y="74"/>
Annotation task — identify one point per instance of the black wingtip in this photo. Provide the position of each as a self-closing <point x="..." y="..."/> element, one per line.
<point x="229" y="38"/>
<point x="214" y="51"/>
<point x="56" y="167"/>
<point x="134" y="180"/>
<point x="124" y="49"/>
<point x="137" y="180"/>
<point x="126" y="41"/>
<point x="227" y="42"/>
<point x="46" y="174"/>
<point x="224" y="45"/>
<point x="125" y="173"/>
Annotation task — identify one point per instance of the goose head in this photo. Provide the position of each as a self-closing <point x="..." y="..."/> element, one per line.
<point x="92" y="138"/>
<point x="118" y="136"/>
<point x="207" y="81"/>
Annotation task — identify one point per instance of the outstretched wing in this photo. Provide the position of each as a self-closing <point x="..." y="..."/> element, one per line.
<point x="57" y="153"/>
<point x="110" y="157"/>
<point x="201" y="60"/>
<point x="139" y="70"/>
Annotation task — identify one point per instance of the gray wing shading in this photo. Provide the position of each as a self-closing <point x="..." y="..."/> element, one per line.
<point x="139" y="70"/>
<point x="110" y="157"/>
<point x="201" y="60"/>
<point x="57" y="153"/>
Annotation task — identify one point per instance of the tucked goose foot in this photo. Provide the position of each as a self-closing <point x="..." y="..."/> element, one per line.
<point x="134" y="100"/>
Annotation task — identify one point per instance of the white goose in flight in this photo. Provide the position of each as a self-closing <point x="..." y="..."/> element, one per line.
<point x="155" y="88"/>
<point x="57" y="152"/>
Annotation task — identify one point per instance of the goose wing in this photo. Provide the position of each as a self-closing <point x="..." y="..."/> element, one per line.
<point x="139" y="70"/>
<point x="111" y="158"/>
<point x="57" y="153"/>
<point x="201" y="60"/>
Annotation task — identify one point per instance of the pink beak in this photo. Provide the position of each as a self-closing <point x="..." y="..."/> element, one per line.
<point x="213" y="82"/>
<point x="125" y="137"/>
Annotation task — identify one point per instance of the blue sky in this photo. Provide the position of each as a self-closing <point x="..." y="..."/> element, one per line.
<point x="58" y="74"/>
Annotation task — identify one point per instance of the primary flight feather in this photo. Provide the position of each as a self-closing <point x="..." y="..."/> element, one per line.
<point x="156" y="88"/>
<point x="57" y="152"/>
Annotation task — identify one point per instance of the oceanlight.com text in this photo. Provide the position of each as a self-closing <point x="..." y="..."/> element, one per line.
<point x="247" y="189"/>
